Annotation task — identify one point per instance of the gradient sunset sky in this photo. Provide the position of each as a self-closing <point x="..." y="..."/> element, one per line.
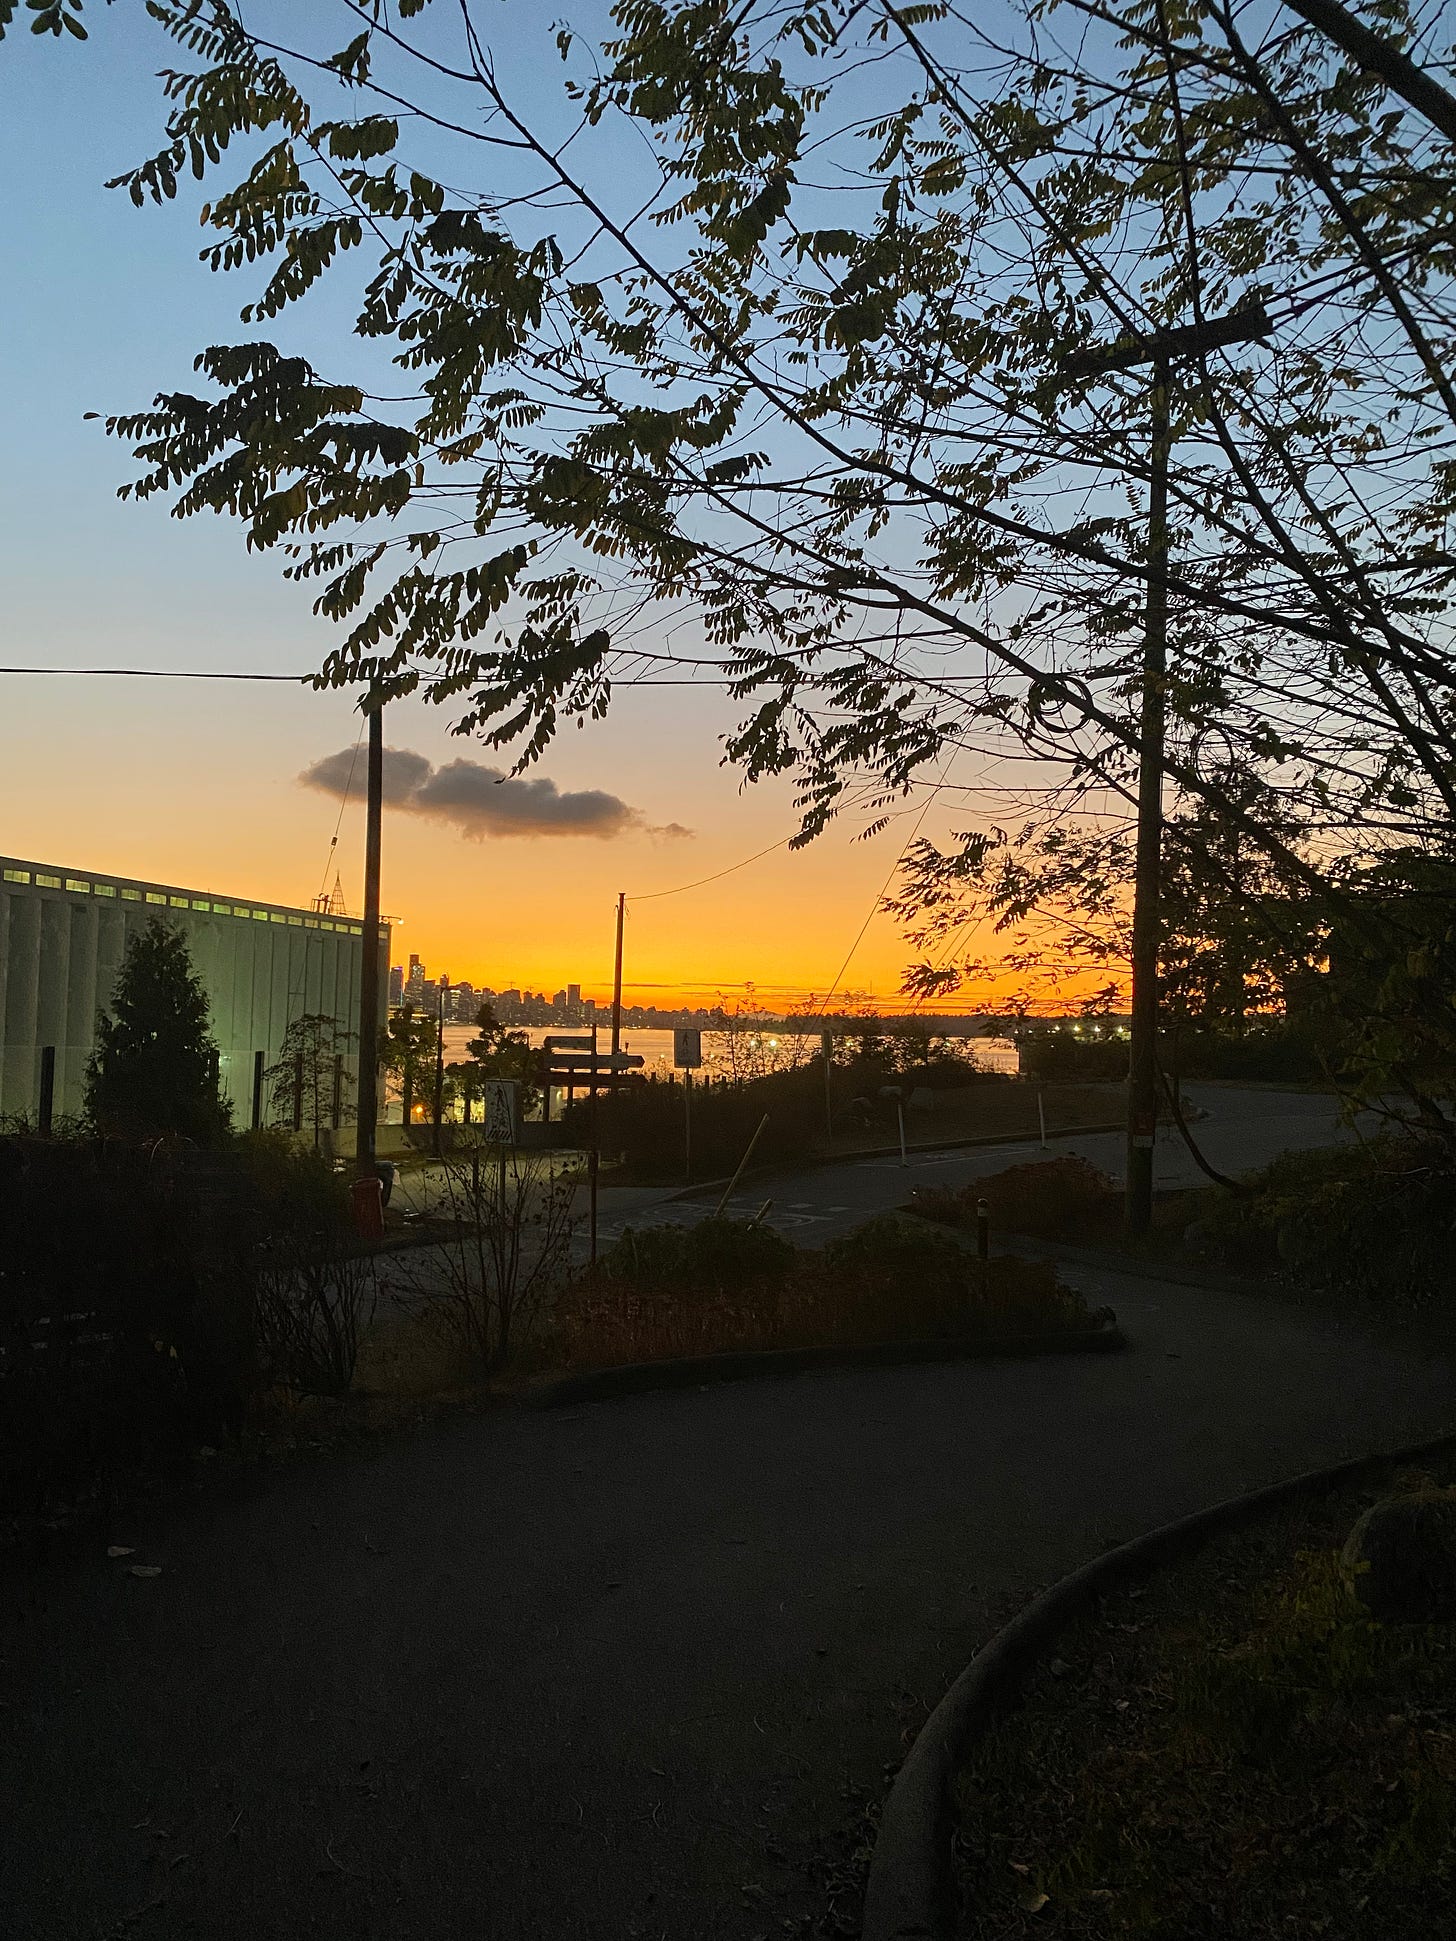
<point x="197" y="783"/>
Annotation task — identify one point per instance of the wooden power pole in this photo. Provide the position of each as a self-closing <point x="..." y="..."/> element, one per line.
<point x="1142" y="1082"/>
<point x="1162" y="350"/>
<point x="368" y="1109"/>
<point x="617" y="976"/>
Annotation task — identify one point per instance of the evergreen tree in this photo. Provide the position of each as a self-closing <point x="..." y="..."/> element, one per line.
<point x="153" y="1072"/>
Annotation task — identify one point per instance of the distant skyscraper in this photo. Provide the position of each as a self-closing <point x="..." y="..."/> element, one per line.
<point x="396" y="986"/>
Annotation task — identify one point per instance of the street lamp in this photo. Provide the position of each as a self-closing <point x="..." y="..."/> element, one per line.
<point x="1161" y="349"/>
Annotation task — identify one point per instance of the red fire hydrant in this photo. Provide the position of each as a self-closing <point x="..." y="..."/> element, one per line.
<point x="367" y="1197"/>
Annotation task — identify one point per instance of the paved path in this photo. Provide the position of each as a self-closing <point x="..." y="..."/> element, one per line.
<point x="606" y="1673"/>
<point x="1245" y="1127"/>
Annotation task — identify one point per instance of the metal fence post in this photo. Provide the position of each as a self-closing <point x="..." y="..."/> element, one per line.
<point x="46" y="1111"/>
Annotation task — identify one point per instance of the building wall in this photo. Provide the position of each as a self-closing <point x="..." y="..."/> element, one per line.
<point x="62" y="935"/>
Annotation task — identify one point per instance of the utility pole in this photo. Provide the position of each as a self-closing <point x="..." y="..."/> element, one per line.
<point x="369" y="972"/>
<point x="1142" y="1077"/>
<point x="1161" y="349"/>
<point x="617" y="976"/>
<point x="436" y="1144"/>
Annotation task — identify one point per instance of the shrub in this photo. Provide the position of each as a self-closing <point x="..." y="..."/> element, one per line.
<point x="645" y="1123"/>
<point x="894" y="1278"/>
<point x="888" y="1252"/>
<point x="1057" y="1198"/>
<point x="1400" y="1558"/>
<point x="506" y="1255"/>
<point x="314" y="1281"/>
<point x="716" y="1256"/>
<point x="886" y="1282"/>
<point x="126" y="1311"/>
<point x="1270" y="1049"/>
<point x="1375" y="1219"/>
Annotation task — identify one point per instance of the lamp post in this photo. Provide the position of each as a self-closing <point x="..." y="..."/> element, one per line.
<point x="1161" y="350"/>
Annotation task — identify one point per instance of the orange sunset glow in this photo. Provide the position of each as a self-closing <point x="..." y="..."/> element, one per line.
<point x="530" y="910"/>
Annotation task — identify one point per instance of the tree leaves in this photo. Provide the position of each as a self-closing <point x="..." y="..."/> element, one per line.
<point x="793" y="383"/>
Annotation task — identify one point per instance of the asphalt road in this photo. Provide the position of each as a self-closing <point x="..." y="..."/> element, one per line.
<point x="618" y="1671"/>
<point x="1244" y="1128"/>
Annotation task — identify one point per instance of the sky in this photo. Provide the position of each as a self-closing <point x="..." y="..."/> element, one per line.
<point x="199" y="782"/>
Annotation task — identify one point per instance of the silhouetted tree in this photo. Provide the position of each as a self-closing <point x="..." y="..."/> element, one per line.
<point x="154" y="1071"/>
<point x="317" y="1040"/>
<point x="406" y="1048"/>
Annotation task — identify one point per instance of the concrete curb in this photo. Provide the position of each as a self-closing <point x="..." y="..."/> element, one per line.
<point x="1067" y="1253"/>
<point x="911" y="1893"/>
<point x="1062" y="1253"/>
<point x="697" y="1371"/>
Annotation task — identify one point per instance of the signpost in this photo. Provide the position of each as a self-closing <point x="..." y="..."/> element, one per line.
<point x="687" y="1057"/>
<point x="569" y="1062"/>
<point x="502" y="1111"/>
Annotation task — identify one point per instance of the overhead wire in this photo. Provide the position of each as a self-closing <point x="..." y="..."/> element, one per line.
<point x="343" y="804"/>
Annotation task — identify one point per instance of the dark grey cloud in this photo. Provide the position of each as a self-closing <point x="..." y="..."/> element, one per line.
<point x="483" y="801"/>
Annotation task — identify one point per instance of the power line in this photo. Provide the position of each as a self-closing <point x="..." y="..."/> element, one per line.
<point x="162" y="673"/>
<point x="651" y="896"/>
<point x="343" y="804"/>
<point x="880" y="895"/>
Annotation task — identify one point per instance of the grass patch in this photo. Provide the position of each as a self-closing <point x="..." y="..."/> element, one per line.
<point x="1237" y="1751"/>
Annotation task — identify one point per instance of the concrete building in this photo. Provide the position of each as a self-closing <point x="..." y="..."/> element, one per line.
<point x="62" y="935"/>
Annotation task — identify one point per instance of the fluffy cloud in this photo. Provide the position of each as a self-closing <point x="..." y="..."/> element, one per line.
<point x="483" y="801"/>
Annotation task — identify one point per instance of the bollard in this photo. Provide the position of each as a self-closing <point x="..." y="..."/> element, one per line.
<point x="983" y="1230"/>
<point x="46" y="1113"/>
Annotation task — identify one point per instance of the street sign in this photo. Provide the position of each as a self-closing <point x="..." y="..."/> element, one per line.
<point x="502" y="1111"/>
<point x="687" y="1048"/>
<point x="606" y="1061"/>
<point x="556" y="1042"/>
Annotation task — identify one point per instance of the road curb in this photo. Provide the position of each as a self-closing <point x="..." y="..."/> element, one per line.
<point x="911" y="1893"/>
<point x="1180" y="1274"/>
<point x="697" y="1371"/>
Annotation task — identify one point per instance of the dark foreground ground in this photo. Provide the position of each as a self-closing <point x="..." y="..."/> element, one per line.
<point x="617" y="1671"/>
